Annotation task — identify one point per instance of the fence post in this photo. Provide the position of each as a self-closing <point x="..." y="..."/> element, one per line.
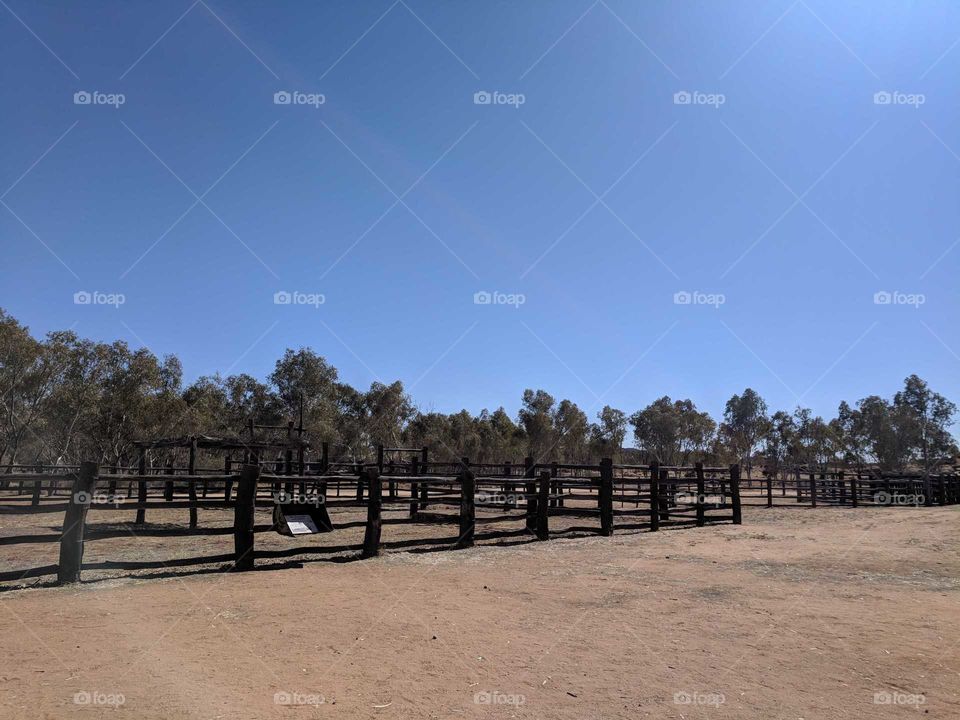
<point x="813" y="489"/>
<point x="854" y="488"/>
<point x="74" y="519"/>
<point x="324" y="468"/>
<point x="509" y="489"/>
<point x="371" y="536"/>
<point x="228" y="483"/>
<point x="244" y="515"/>
<point x="142" y="488"/>
<point x="769" y="490"/>
<point x="606" y="497"/>
<point x="543" y="506"/>
<point x="663" y="488"/>
<point x="468" y="510"/>
<point x="735" y="494"/>
<point x="841" y="487"/>
<point x="424" y="466"/>
<point x="414" y="487"/>
<point x="192" y="484"/>
<point x="530" y="491"/>
<point x="799" y="481"/>
<point x="168" y="484"/>
<point x="654" y="496"/>
<point x="701" y="493"/>
<point x="358" y="469"/>
<point x="35" y="499"/>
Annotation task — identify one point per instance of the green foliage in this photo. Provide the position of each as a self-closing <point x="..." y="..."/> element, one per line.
<point x="63" y="399"/>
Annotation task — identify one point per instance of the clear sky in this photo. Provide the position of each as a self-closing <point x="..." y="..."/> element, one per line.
<point x="784" y="189"/>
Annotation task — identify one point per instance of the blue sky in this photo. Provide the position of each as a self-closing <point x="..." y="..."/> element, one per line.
<point x="784" y="189"/>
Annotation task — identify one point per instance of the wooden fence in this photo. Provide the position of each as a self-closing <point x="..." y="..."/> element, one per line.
<point x="604" y="495"/>
<point x="423" y="491"/>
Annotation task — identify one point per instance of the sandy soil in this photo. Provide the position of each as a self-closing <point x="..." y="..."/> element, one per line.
<point x="798" y="613"/>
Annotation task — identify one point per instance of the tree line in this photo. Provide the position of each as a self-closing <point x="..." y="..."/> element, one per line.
<point x="66" y="399"/>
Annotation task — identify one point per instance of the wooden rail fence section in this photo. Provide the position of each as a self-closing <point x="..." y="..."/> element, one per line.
<point x="653" y="496"/>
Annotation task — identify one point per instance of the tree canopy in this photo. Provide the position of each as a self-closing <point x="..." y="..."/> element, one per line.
<point x="65" y="399"/>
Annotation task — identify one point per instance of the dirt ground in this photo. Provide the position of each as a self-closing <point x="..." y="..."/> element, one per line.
<point x="797" y="613"/>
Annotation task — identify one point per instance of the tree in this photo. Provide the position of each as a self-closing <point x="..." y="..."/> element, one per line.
<point x="536" y="419"/>
<point x="930" y="414"/>
<point x="571" y="429"/>
<point x="672" y="432"/>
<point x="607" y="435"/>
<point x="780" y="441"/>
<point x="886" y="431"/>
<point x="745" y="422"/>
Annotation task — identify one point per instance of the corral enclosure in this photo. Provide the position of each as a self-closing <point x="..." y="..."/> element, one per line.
<point x="291" y="508"/>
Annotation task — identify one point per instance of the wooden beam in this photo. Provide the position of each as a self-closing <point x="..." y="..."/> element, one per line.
<point x="74" y="520"/>
<point x="244" y="515"/>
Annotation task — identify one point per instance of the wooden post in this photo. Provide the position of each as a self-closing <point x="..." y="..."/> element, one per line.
<point x="664" y="497"/>
<point x="74" y="519"/>
<point x="35" y="499"/>
<point x="770" y="490"/>
<point x="854" y="488"/>
<point x="799" y="482"/>
<point x="468" y="510"/>
<point x="543" y="507"/>
<point x="168" y="484"/>
<point x="191" y="484"/>
<point x="358" y="469"/>
<point x="843" y="488"/>
<point x="371" y="536"/>
<point x="701" y="495"/>
<point x="244" y="517"/>
<point x="606" y="497"/>
<point x="654" y="496"/>
<point x="414" y="487"/>
<point x="554" y="473"/>
<point x="112" y="485"/>
<point x="508" y="486"/>
<point x="425" y="469"/>
<point x="927" y="489"/>
<point x="813" y="489"/>
<point x="735" y="494"/>
<point x="142" y="488"/>
<point x="228" y="484"/>
<point x="530" y="490"/>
